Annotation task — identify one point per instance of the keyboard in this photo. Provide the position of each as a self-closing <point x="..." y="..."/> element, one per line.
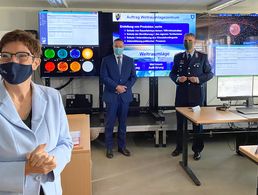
<point x="248" y="110"/>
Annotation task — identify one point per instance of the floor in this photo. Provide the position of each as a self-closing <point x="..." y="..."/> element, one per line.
<point x="153" y="171"/>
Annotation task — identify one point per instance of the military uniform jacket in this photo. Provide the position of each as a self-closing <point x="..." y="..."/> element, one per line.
<point x="188" y="93"/>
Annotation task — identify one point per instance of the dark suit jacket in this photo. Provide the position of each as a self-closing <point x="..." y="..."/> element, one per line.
<point x="187" y="93"/>
<point x="109" y="74"/>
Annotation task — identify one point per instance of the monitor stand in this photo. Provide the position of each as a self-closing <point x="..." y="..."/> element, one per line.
<point x="249" y="109"/>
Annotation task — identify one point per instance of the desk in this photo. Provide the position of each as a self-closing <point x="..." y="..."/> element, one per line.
<point x="207" y="115"/>
<point x="252" y="153"/>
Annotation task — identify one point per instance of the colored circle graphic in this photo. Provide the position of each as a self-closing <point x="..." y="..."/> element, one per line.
<point x="49" y="53"/>
<point x="62" y="66"/>
<point x="62" y="53"/>
<point x="234" y="29"/>
<point x="75" y="66"/>
<point x="49" y="66"/>
<point x="87" y="66"/>
<point x="87" y="53"/>
<point x="75" y="53"/>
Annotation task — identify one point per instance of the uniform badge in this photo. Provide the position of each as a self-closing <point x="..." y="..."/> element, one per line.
<point x="197" y="65"/>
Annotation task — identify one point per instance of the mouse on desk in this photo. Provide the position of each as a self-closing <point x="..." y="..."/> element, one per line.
<point x="221" y="108"/>
<point x="224" y="107"/>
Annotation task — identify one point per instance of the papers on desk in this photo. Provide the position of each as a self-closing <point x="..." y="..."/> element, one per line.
<point x="196" y="108"/>
<point x="75" y="137"/>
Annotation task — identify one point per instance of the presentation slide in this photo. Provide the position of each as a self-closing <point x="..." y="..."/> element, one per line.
<point x="236" y="60"/>
<point x="230" y="86"/>
<point x="152" y="39"/>
<point x="69" y="28"/>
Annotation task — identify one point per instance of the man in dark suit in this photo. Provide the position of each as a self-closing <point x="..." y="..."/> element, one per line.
<point x="190" y="71"/>
<point x="118" y="74"/>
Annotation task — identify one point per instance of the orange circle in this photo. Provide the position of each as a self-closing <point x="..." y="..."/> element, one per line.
<point x="62" y="66"/>
<point x="75" y="66"/>
<point x="87" y="53"/>
<point x="50" y="66"/>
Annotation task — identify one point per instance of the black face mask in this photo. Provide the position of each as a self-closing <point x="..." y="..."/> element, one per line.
<point x="15" y="73"/>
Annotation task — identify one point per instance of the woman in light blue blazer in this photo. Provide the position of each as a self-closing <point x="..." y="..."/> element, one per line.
<point x="35" y="144"/>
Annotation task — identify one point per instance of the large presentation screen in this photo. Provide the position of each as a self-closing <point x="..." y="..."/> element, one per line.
<point x="152" y="39"/>
<point x="232" y="41"/>
<point x="70" y="43"/>
<point x="236" y="60"/>
<point x="68" y="28"/>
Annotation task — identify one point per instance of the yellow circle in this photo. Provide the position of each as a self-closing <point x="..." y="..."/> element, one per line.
<point x="75" y="66"/>
<point x="87" y="53"/>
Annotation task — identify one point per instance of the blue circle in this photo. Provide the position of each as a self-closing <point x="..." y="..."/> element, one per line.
<point x="75" y="53"/>
<point x="62" y="53"/>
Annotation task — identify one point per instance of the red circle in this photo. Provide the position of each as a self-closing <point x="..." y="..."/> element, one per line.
<point x="49" y="66"/>
<point x="62" y="66"/>
<point x="234" y="29"/>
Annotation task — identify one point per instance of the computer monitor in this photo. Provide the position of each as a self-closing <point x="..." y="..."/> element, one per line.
<point x="235" y="87"/>
<point x="255" y="86"/>
<point x="239" y="88"/>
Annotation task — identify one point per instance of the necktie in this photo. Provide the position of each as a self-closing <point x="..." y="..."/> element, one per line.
<point x="188" y="58"/>
<point x="119" y="63"/>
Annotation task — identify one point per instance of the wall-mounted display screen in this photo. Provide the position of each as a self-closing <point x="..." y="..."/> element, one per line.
<point x="70" y="43"/>
<point x="232" y="41"/>
<point x="69" y="61"/>
<point x="152" y="39"/>
<point x="68" y="28"/>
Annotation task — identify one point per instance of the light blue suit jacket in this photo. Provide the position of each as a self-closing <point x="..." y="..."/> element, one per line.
<point x="48" y="125"/>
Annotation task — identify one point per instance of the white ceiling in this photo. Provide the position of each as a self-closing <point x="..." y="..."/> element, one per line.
<point x="248" y="6"/>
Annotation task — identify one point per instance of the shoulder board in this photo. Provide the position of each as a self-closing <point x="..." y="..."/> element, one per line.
<point x="201" y="52"/>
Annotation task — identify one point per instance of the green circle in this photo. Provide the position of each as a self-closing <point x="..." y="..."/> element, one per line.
<point x="49" y="53"/>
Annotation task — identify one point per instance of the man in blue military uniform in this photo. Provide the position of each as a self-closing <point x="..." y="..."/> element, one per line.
<point x="118" y="74"/>
<point x="190" y="71"/>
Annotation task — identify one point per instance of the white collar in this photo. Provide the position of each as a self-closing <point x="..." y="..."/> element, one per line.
<point x="121" y="56"/>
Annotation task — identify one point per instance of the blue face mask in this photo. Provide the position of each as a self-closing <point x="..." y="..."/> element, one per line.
<point x="118" y="51"/>
<point x="15" y="73"/>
